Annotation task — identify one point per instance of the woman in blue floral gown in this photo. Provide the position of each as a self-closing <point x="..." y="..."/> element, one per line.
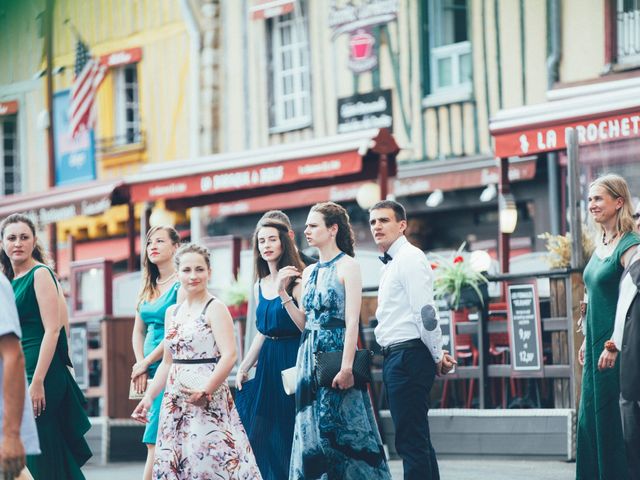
<point x="335" y="435"/>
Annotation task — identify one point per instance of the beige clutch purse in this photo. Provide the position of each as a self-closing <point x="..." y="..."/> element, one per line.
<point x="290" y="380"/>
<point x="25" y="474"/>
<point x="133" y="394"/>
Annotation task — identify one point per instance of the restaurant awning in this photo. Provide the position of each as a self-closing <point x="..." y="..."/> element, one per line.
<point x="62" y="203"/>
<point x="419" y="179"/>
<point x="604" y="112"/>
<point x="230" y="177"/>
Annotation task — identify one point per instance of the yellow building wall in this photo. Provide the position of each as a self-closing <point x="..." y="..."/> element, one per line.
<point x="582" y="40"/>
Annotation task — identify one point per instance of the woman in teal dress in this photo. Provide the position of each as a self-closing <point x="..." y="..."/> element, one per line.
<point x="600" y="447"/>
<point x="335" y="434"/>
<point x="58" y="403"/>
<point x="159" y="291"/>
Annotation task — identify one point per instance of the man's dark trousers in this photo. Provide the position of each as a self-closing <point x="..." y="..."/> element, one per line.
<point x="408" y="376"/>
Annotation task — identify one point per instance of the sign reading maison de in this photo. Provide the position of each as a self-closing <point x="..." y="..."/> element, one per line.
<point x="361" y="112"/>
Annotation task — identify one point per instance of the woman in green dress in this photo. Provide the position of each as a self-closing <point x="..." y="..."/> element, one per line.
<point x="58" y="403"/>
<point x="160" y="290"/>
<point x="600" y="447"/>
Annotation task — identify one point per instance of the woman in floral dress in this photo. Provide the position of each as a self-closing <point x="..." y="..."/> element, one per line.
<point x="200" y="436"/>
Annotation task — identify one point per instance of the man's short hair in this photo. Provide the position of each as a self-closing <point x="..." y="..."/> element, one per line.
<point x="398" y="209"/>
<point x="277" y="215"/>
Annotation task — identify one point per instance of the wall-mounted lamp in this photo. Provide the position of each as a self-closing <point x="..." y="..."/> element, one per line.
<point x="161" y="217"/>
<point x="480" y="261"/>
<point x="508" y="213"/>
<point x="489" y="193"/>
<point x="368" y="195"/>
<point x="435" y="198"/>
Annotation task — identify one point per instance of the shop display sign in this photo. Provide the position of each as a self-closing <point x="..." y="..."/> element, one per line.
<point x="362" y="112"/>
<point x="547" y="139"/>
<point x="122" y="57"/>
<point x="75" y="156"/>
<point x="446" y="326"/>
<point x="79" y="355"/>
<point x="357" y="19"/>
<point x="524" y="329"/>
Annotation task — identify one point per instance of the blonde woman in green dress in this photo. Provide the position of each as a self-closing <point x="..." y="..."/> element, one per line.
<point x="600" y="447"/>
<point x="58" y="403"/>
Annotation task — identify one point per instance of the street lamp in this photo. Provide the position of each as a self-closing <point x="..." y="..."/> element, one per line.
<point x="368" y="195"/>
<point x="435" y="198"/>
<point x="161" y="217"/>
<point x="508" y="213"/>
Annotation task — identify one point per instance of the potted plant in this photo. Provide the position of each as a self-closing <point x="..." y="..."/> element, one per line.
<point x="559" y="248"/>
<point x="235" y="297"/>
<point x="457" y="282"/>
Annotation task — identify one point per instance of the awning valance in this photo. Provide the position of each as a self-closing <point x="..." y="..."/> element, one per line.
<point x="283" y="168"/>
<point x="604" y="112"/>
<point x="62" y="203"/>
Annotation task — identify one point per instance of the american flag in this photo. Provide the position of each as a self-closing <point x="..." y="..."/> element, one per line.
<point x="88" y="73"/>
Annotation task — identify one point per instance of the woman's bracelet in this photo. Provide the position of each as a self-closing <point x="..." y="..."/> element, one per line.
<point x="290" y="299"/>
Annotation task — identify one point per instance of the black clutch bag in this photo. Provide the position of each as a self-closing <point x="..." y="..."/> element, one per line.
<point x="328" y="365"/>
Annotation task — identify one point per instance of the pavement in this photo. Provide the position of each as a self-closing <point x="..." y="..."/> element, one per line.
<point x="451" y="468"/>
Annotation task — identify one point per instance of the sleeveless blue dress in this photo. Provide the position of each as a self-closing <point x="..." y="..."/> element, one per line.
<point x="152" y="314"/>
<point x="266" y="411"/>
<point x="335" y="435"/>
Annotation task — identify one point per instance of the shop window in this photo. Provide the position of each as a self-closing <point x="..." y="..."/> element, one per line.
<point x="628" y="31"/>
<point x="448" y="48"/>
<point x="290" y="79"/>
<point x="10" y="165"/>
<point x="127" y="107"/>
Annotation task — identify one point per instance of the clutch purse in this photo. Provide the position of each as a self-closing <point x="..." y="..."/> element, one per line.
<point x="290" y="380"/>
<point x="191" y="380"/>
<point x="328" y="365"/>
<point x="134" y="394"/>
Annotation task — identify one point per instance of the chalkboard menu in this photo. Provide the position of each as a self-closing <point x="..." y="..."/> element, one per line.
<point x="524" y="329"/>
<point x="444" y="312"/>
<point x="78" y="352"/>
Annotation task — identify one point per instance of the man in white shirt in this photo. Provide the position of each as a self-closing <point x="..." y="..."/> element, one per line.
<point x="18" y="432"/>
<point x="409" y="334"/>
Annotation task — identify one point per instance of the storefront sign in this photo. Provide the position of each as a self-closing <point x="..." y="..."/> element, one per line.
<point x="47" y="215"/>
<point x="122" y="57"/>
<point x="75" y="156"/>
<point x="271" y="8"/>
<point x="524" y="329"/>
<point x="361" y="112"/>
<point x="8" y="108"/>
<point x="352" y="16"/>
<point x="279" y="173"/>
<point x="362" y="52"/>
<point x="547" y="139"/>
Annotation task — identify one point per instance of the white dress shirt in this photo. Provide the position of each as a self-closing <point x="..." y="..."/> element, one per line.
<point x="406" y="288"/>
<point x="10" y="325"/>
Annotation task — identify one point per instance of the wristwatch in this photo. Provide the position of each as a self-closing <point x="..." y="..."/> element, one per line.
<point x="610" y="346"/>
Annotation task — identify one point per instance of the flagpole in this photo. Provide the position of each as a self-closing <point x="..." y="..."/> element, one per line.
<point x="53" y="232"/>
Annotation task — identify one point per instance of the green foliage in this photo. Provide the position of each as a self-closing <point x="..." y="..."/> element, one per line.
<point x="236" y="293"/>
<point x="452" y="274"/>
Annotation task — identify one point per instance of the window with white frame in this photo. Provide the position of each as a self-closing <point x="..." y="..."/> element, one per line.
<point x="10" y="165"/>
<point x="290" y="83"/>
<point x="628" y="31"/>
<point x="450" y="48"/>
<point x="127" y="108"/>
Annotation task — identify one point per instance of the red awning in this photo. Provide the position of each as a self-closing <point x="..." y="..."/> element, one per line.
<point x="115" y="249"/>
<point x="604" y="112"/>
<point x="446" y="176"/>
<point x="237" y="176"/>
<point x="271" y="8"/>
<point x="62" y="203"/>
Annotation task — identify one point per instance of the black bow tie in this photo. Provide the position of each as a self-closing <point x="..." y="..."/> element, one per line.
<point x="386" y="258"/>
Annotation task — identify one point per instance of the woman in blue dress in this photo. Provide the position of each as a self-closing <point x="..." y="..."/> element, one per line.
<point x="335" y="435"/>
<point x="267" y="413"/>
<point x="159" y="291"/>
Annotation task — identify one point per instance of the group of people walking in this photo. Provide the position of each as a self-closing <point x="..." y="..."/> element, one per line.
<point x="184" y="345"/>
<point x="302" y="307"/>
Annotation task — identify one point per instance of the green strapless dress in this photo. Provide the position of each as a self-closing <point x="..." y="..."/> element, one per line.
<point x="600" y="447"/>
<point x="62" y="425"/>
